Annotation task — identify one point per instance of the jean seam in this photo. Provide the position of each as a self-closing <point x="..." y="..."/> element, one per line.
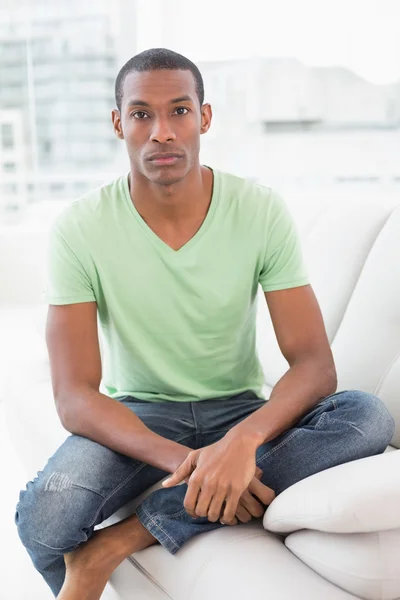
<point x="194" y="416"/>
<point x="115" y="490"/>
<point x="279" y="446"/>
<point x="343" y="422"/>
<point x="320" y="421"/>
<point x="224" y="430"/>
<point x="175" y="515"/>
<point x="64" y="550"/>
<point x="158" y="527"/>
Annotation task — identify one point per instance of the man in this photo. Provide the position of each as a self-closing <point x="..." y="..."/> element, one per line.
<point x="169" y="259"/>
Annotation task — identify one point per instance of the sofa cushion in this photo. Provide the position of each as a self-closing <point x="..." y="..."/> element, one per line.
<point x="358" y="496"/>
<point x="234" y="563"/>
<point x="367" y="345"/>
<point x="364" y="564"/>
<point x="334" y="262"/>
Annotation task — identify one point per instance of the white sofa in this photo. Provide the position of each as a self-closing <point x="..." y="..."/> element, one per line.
<point x="332" y="536"/>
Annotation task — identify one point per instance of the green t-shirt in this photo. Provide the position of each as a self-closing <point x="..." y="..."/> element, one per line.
<point x="176" y="325"/>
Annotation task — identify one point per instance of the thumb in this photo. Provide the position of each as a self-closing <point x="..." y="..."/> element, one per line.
<point x="181" y="473"/>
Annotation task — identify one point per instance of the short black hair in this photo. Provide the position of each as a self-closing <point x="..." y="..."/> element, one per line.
<point x="157" y="59"/>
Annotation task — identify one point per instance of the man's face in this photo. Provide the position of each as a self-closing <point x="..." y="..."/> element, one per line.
<point x="161" y="121"/>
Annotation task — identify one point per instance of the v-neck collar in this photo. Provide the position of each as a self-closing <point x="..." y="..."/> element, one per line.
<point x="200" y="232"/>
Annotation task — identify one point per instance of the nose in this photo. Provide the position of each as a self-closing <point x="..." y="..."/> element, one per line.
<point x="162" y="131"/>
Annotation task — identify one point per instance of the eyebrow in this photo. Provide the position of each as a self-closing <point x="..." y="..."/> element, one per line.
<point x="173" y="101"/>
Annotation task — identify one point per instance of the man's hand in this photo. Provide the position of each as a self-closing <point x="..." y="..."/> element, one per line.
<point x="218" y="476"/>
<point x="253" y="501"/>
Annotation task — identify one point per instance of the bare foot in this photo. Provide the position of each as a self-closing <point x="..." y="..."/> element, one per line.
<point x="89" y="567"/>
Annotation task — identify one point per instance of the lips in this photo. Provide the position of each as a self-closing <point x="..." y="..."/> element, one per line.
<point x="164" y="160"/>
<point x="164" y="157"/>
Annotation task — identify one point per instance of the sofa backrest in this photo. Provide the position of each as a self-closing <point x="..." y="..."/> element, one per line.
<point x="353" y="258"/>
<point x="353" y="255"/>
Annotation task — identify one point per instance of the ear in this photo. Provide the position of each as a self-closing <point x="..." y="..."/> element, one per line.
<point x="206" y="117"/>
<point x="116" y="119"/>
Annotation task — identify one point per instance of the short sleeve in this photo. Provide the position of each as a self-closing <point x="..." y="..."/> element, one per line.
<point x="67" y="279"/>
<point x="283" y="264"/>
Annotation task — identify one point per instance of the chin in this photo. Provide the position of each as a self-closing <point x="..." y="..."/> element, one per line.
<point x="166" y="176"/>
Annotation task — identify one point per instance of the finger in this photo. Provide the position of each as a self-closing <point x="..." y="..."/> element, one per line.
<point x="259" y="473"/>
<point x="191" y="496"/>
<point x="251" y="504"/>
<point x="180" y="475"/>
<point x="232" y="502"/>
<point x="204" y="500"/>
<point x="242" y="514"/>
<point x="234" y="521"/>
<point x="217" y="506"/>
<point x="264" y="493"/>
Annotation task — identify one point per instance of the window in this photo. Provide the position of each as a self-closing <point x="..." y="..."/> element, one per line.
<point x="57" y="187"/>
<point x="8" y="188"/>
<point x="46" y="147"/>
<point x="9" y="167"/>
<point x="7" y="139"/>
<point x="80" y="186"/>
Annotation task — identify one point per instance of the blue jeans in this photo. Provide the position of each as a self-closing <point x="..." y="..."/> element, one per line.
<point x="84" y="482"/>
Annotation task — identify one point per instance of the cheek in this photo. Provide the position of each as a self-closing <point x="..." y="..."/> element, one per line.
<point x="135" y="132"/>
<point x="191" y="135"/>
<point x="196" y="142"/>
<point x="135" y="142"/>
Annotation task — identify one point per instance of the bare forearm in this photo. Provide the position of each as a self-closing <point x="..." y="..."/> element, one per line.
<point x="104" y="420"/>
<point x="295" y="394"/>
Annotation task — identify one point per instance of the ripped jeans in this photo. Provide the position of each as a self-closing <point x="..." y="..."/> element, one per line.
<point x="84" y="482"/>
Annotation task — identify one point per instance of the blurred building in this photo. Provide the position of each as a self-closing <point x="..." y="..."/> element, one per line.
<point x="57" y="71"/>
<point x="276" y="120"/>
<point x="13" y="159"/>
<point x="283" y="123"/>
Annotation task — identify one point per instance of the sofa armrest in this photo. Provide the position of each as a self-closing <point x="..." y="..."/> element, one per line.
<point x="30" y="412"/>
<point x="355" y="497"/>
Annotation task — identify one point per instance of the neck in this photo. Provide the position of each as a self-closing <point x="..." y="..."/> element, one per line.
<point x="178" y="202"/>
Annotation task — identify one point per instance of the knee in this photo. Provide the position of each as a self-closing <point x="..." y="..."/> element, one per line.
<point x="52" y="513"/>
<point x="370" y="415"/>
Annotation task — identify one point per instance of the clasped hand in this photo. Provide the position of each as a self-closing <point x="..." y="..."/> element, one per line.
<point x="223" y="482"/>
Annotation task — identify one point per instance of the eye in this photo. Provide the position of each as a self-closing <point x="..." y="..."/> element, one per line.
<point x="181" y="108"/>
<point x="139" y="114"/>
